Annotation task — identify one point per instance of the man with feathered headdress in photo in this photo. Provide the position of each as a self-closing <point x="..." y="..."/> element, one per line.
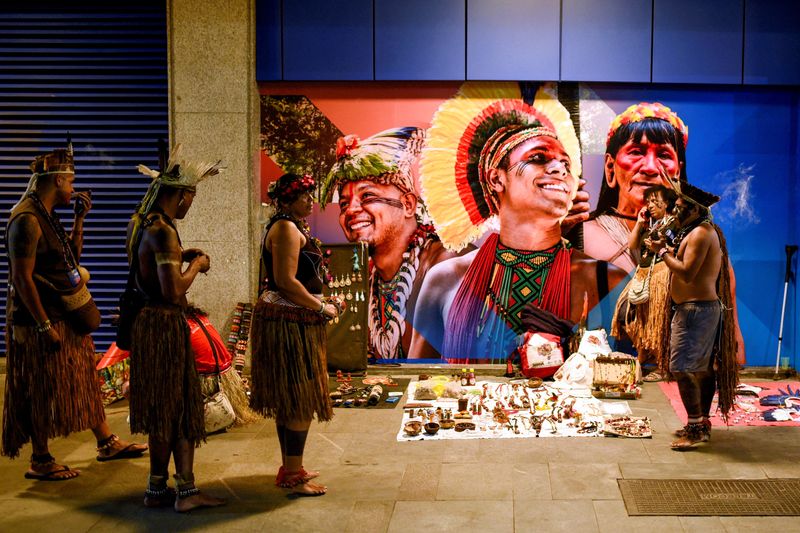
<point x="51" y="385"/>
<point x="165" y="392"/>
<point x="493" y="158"/>
<point x="379" y="205"/>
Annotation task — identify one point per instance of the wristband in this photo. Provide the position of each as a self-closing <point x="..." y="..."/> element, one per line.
<point x="44" y="326"/>
<point x="321" y="307"/>
<point x="662" y="252"/>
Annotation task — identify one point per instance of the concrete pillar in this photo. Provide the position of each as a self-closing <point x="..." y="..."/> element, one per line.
<point x="213" y="113"/>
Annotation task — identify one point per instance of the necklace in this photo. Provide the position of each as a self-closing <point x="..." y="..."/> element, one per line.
<point x="55" y="224"/>
<point x="388" y="299"/>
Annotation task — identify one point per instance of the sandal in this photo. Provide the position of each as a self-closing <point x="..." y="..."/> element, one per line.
<point x="116" y="448"/>
<point x="653" y="377"/>
<point x="692" y="435"/>
<point x="55" y="472"/>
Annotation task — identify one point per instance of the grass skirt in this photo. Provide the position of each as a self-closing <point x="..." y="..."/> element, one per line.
<point x="644" y="323"/>
<point x="289" y="378"/>
<point x="165" y="397"/>
<point x="234" y="389"/>
<point x="59" y="390"/>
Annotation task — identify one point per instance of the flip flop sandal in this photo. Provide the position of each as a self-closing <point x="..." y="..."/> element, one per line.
<point x="52" y="475"/>
<point x="129" y="451"/>
<point x="653" y="377"/>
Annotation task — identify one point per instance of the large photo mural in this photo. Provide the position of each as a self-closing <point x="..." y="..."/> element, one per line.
<point x="493" y="209"/>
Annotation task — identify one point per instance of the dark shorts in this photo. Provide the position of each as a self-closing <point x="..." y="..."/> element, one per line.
<point x="693" y="334"/>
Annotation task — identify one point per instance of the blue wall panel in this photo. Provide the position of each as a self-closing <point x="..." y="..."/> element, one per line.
<point x="697" y="42"/>
<point x="606" y="41"/>
<point x="513" y="39"/>
<point x="772" y="42"/>
<point x="327" y="40"/>
<point x="420" y="40"/>
<point x="268" y="40"/>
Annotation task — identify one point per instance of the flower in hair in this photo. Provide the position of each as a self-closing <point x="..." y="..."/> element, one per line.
<point x="345" y="145"/>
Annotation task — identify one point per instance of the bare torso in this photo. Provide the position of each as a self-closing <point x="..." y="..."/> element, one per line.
<point x="700" y="256"/>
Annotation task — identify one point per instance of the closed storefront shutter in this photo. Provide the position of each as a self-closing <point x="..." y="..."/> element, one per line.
<point x="100" y="73"/>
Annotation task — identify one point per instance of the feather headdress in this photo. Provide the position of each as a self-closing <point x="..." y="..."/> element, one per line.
<point x="454" y="152"/>
<point x="59" y="161"/>
<point x="178" y="173"/>
<point x="387" y="157"/>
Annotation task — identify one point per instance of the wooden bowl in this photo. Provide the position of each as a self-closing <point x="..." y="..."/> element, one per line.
<point x="413" y="428"/>
<point x="447" y="424"/>
<point x="431" y="428"/>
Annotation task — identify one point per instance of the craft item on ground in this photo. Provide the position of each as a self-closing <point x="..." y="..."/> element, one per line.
<point x="413" y="428"/>
<point x="575" y="371"/>
<point x="779" y="400"/>
<point x="431" y="428"/>
<point x="593" y="343"/>
<point x="342" y="379"/>
<point x="615" y="377"/>
<point x="379" y="380"/>
<point x="392" y="399"/>
<point x="633" y="427"/>
<point x="744" y="389"/>
<point x="540" y="354"/>
<point x="424" y="390"/>
<point x="112" y="380"/>
<point x="453" y="389"/>
<point x="374" y="395"/>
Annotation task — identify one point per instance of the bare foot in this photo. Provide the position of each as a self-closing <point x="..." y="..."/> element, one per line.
<point x="280" y="478"/>
<point x="309" y="489"/>
<point x="160" y="500"/>
<point x="183" y="505"/>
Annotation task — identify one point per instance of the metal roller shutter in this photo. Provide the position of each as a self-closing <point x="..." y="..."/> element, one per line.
<point x="100" y="72"/>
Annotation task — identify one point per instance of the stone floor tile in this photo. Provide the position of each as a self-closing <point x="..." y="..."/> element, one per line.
<point x="462" y="451"/>
<point x="482" y="481"/>
<point x="453" y="516"/>
<point x="370" y="516"/>
<point x="706" y="524"/>
<point x="584" y="481"/>
<point x="421" y="481"/>
<point x="567" y="516"/>
<point x="761" y="524"/>
<point x="613" y="518"/>
<point x="531" y="482"/>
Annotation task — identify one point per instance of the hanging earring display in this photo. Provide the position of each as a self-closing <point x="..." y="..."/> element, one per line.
<point x="347" y="281"/>
<point x="349" y="295"/>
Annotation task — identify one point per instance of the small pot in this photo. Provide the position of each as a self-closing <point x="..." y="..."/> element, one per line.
<point x="447" y="423"/>
<point x="431" y="428"/>
<point x="413" y="428"/>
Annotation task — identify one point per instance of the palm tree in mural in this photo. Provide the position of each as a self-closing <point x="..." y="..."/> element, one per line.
<point x="297" y="136"/>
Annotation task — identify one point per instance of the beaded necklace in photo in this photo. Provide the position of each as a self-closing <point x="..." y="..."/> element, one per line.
<point x="518" y="279"/>
<point x="388" y="299"/>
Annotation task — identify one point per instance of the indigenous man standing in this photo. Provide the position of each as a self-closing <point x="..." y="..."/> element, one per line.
<point x="702" y="325"/>
<point x="165" y="395"/>
<point x="379" y="205"/>
<point x="51" y="385"/>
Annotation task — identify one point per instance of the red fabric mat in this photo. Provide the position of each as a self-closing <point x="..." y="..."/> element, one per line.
<point x="748" y="410"/>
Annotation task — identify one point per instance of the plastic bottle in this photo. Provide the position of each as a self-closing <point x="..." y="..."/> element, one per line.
<point x="471" y="376"/>
<point x="464" y="378"/>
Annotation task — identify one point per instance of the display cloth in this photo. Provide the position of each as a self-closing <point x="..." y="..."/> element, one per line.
<point x="766" y="403"/>
<point x="513" y="410"/>
<point x="358" y="397"/>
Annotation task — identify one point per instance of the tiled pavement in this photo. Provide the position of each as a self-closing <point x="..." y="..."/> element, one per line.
<point x="378" y="484"/>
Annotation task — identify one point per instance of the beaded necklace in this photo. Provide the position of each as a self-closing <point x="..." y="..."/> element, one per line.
<point x="388" y="299"/>
<point x="518" y="279"/>
<point x="55" y="224"/>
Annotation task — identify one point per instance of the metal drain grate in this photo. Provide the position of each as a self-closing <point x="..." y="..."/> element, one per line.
<point x="711" y="497"/>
